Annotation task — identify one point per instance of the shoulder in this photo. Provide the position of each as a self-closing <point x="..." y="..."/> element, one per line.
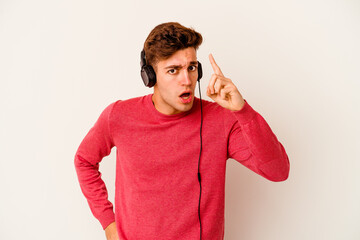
<point x="121" y="106"/>
<point x="131" y="102"/>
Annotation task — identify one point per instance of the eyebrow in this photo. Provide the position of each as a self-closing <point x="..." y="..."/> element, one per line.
<point x="179" y="66"/>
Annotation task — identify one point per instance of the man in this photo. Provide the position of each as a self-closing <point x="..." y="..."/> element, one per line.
<point x="172" y="147"/>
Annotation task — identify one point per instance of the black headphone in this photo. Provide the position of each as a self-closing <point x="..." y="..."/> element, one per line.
<point x="149" y="77"/>
<point x="148" y="74"/>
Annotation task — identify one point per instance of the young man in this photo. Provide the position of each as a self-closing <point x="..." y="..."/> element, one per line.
<point x="172" y="147"/>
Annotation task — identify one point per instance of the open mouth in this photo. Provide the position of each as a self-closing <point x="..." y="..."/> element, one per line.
<point x="185" y="95"/>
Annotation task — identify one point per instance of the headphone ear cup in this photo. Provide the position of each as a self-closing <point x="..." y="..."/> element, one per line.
<point x="200" y="73"/>
<point x="148" y="76"/>
<point x="147" y="72"/>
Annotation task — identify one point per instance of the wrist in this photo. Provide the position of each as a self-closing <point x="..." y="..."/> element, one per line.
<point x="240" y="106"/>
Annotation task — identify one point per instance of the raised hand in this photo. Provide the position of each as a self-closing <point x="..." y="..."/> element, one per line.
<point x="222" y="90"/>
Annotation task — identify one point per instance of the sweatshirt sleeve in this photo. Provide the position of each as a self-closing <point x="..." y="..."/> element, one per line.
<point x="253" y="144"/>
<point x="96" y="145"/>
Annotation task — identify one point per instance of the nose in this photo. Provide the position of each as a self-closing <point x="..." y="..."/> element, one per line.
<point x="185" y="79"/>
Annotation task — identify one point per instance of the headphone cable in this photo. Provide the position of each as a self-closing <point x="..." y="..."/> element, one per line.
<point x="199" y="176"/>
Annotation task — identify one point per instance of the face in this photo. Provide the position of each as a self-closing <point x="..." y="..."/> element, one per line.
<point x="176" y="79"/>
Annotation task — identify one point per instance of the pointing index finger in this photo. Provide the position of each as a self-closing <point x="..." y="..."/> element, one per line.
<point x="216" y="68"/>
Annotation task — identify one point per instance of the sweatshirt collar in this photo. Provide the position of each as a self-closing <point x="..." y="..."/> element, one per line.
<point x="162" y="116"/>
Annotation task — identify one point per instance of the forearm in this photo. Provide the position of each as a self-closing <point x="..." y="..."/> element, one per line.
<point x="268" y="152"/>
<point x="94" y="147"/>
<point x="254" y="144"/>
<point x="94" y="189"/>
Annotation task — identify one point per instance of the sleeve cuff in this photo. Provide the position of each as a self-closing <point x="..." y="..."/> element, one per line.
<point x="107" y="217"/>
<point x="246" y="114"/>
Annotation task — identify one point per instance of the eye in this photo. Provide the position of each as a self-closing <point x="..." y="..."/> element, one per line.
<point x="192" y="68"/>
<point x="172" y="71"/>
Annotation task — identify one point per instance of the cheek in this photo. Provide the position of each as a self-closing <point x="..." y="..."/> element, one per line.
<point x="170" y="84"/>
<point x="168" y="88"/>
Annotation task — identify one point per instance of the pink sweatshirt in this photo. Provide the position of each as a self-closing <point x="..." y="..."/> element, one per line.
<point x="157" y="189"/>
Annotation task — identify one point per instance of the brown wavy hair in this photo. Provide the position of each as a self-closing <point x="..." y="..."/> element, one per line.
<point x="167" y="38"/>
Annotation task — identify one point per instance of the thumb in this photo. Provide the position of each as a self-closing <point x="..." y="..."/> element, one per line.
<point x="208" y="93"/>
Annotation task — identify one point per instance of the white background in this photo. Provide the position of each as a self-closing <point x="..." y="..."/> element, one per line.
<point x="295" y="62"/>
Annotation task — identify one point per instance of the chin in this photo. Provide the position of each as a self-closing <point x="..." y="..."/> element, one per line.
<point x="185" y="107"/>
